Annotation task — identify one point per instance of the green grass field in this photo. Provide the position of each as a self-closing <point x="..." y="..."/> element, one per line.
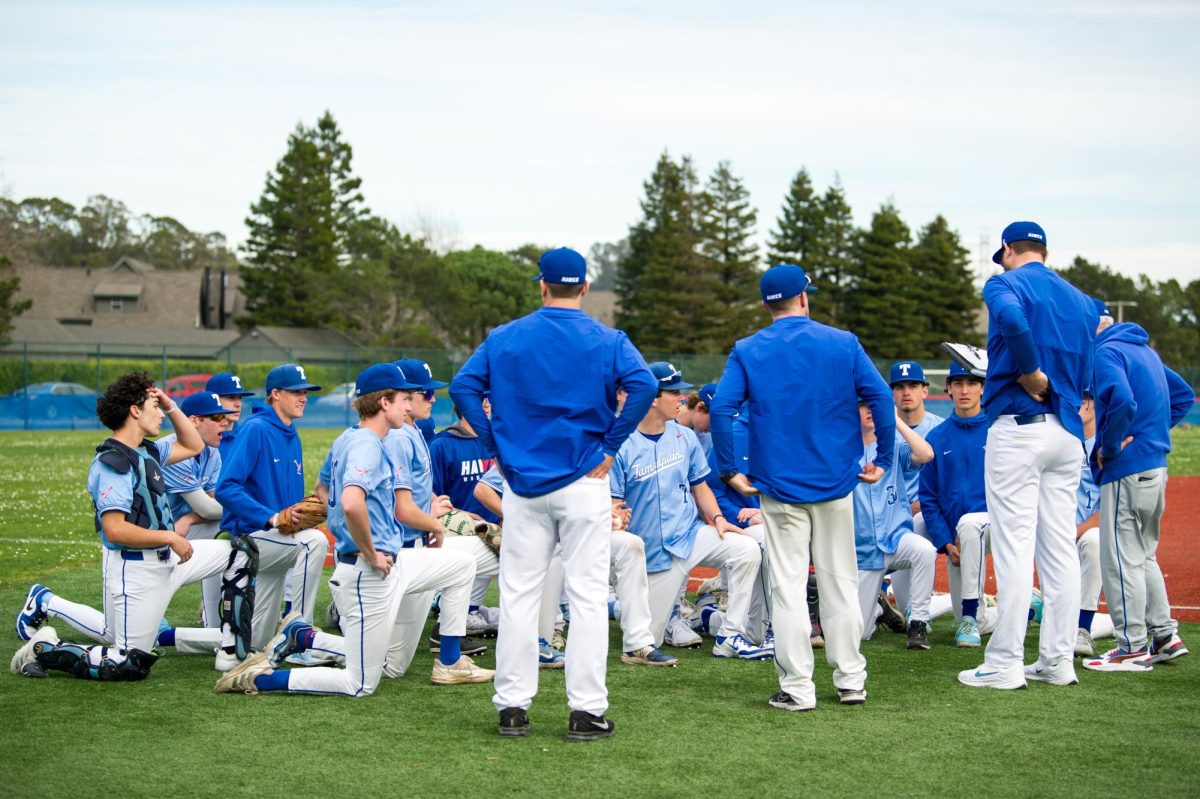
<point x="701" y="729"/>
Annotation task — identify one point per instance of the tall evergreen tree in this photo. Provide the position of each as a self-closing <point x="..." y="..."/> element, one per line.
<point x="668" y="298"/>
<point x="301" y="231"/>
<point x="727" y="226"/>
<point x="831" y="265"/>
<point x="795" y="237"/>
<point x="881" y="309"/>
<point x="10" y="308"/>
<point x="945" y="287"/>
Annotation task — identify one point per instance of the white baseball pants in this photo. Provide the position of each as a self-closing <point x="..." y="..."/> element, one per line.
<point x="828" y="529"/>
<point x="913" y="554"/>
<point x="1031" y="473"/>
<point x="210" y="587"/>
<point x="579" y="517"/>
<point x="627" y="564"/>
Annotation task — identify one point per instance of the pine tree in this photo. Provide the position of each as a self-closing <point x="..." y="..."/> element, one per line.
<point x="301" y="231"/>
<point x="795" y="238"/>
<point x="728" y="229"/>
<point x="9" y="308"/>
<point x="881" y="309"/>
<point x="831" y="265"/>
<point x="945" y="287"/>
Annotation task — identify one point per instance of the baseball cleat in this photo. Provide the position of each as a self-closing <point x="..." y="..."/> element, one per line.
<point x="918" y="635"/>
<point x="310" y="657"/>
<point x="284" y="642"/>
<point x="460" y="672"/>
<point x="468" y="646"/>
<point x="333" y="619"/>
<point x="649" y="655"/>
<point x="968" y="633"/>
<point x="1085" y="647"/>
<point x="240" y="679"/>
<point x="550" y="657"/>
<point x="816" y="636"/>
<point x="514" y="722"/>
<point x="1009" y="679"/>
<point x="735" y="646"/>
<point x="1061" y="673"/>
<point x="1168" y="647"/>
<point x="479" y="625"/>
<point x="890" y="617"/>
<point x="710" y="586"/>
<point x="584" y="726"/>
<point x="680" y="634"/>
<point x="768" y="642"/>
<point x="33" y="612"/>
<point x="785" y="701"/>
<point x="1121" y="660"/>
<point x="1035" y="606"/>
<point x="24" y="661"/>
<point x="559" y="641"/>
<point x="225" y="661"/>
<point x="852" y="696"/>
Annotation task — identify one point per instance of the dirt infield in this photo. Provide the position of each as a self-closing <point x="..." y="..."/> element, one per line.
<point x="1178" y="551"/>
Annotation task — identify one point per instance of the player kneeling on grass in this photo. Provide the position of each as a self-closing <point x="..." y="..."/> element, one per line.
<point x="145" y="560"/>
<point x="883" y="530"/>
<point x="369" y="582"/>
<point x="660" y="473"/>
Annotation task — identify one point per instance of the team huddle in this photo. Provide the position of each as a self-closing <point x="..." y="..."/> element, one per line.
<point x="591" y="484"/>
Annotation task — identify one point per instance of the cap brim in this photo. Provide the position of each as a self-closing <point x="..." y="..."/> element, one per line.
<point x="539" y="277"/>
<point x="433" y="385"/>
<point x="300" y="387"/>
<point x="996" y="256"/>
<point x="242" y="394"/>
<point x="676" y="387"/>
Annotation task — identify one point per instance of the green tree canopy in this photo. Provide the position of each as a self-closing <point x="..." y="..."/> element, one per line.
<point x="944" y="287"/>
<point x="798" y="228"/>
<point x="10" y="284"/>
<point x="880" y="308"/>
<point x="727" y="229"/>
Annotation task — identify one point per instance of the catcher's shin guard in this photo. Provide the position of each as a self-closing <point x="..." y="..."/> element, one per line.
<point x="101" y="663"/>
<point x="814" y="601"/>
<point x="237" y="592"/>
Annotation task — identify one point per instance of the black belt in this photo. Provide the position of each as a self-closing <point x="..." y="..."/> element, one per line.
<point x="164" y="554"/>
<point x="352" y="557"/>
<point x="1036" y="418"/>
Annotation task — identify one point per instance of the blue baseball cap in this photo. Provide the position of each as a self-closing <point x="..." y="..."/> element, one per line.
<point x="707" y="392"/>
<point x="202" y="403"/>
<point x="227" y="384"/>
<point x="289" y="377"/>
<point x="381" y="377"/>
<point x="1019" y="231"/>
<point x="419" y="374"/>
<point x="906" y="372"/>
<point x="563" y="267"/>
<point x="958" y="370"/>
<point x="1102" y="308"/>
<point x="669" y="378"/>
<point x="783" y="281"/>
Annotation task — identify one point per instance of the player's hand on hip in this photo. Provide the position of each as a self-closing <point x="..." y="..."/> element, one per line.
<point x="741" y="484"/>
<point x="1036" y="385"/>
<point x="952" y="554"/>
<point x="382" y="564"/>
<point x="602" y="469"/>
<point x="871" y="474"/>
<point x="182" y="548"/>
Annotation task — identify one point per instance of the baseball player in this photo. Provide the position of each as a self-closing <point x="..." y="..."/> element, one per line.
<point x="1138" y="401"/>
<point x="660" y="473"/>
<point x="1039" y="349"/>
<point x="694" y="415"/>
<point x="1092" y="625"/>
<point x="228" y="387"/>
<point x="803" y="381"/>
<point x="145" y="561"/>
<point x="372" y="578"/>
<point x="417" y="510"/>
<point x="553" y="377"/>
<point x="883" y="530"/>
<point x="262" y="476"/>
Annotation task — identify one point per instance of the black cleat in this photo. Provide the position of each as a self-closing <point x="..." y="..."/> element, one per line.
<point x="891" y="618"/>
<point x="785" y="701"/>
<point x="514" y="722"/>
<point x="586" y="727"/>
<point x="469" y="646"/>
<point x="918" y="635"/>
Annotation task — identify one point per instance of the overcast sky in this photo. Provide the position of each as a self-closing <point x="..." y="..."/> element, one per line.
<point x="510" y="122"/>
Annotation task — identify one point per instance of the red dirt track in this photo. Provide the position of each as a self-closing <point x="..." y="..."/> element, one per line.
<point x="1178" y="551"/>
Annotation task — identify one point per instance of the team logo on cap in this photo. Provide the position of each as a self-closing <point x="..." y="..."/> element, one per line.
<point x="569" y="279"/>
<point x="771" y="297"/>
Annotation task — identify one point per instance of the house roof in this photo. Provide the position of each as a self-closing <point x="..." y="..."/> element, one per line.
<point x="109" y="289"/>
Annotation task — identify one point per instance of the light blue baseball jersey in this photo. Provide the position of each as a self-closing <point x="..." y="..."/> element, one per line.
<point x="882" y="512"/>
<point x="705" y="440"/>
<point x="912" y="477"/>
<point x="359" y="458"/>
<point x="191" y="474"/>
<point x="492" y="479"/>
<point x="112" y="490"/>
<point x="655" y="478"/>
<point x="1087" y="496"/>
<point x="409" y="453"/>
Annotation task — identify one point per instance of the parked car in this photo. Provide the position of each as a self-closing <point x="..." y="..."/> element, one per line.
<point x="340" y="395"/>
<point x="181" y="386"/>
<point x="55" y="389"/>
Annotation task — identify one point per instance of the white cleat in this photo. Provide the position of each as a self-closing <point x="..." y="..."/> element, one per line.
<point x="1009" y="679"/>
<point x="1061" y="673"/>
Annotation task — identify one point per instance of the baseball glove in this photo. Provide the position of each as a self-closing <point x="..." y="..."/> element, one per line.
<point x="489" y="534"/>
<point x="458" y="522"/>
<point x="311" y="513"/>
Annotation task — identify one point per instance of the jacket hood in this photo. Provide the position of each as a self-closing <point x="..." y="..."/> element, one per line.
<point x="1126" y="332"/>
<point x="456" y="430"/>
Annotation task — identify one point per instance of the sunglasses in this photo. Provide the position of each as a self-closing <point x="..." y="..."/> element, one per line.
<point x="216" y="417"/>
<point x="428" y="394"/>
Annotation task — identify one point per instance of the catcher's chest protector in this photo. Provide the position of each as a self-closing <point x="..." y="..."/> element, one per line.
<point x="151" y="508"/>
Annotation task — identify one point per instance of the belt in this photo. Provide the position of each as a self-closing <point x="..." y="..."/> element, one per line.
<point x="164" y="554"/>
<point x="351" y="558"/>
<point x="1036" y="418"/>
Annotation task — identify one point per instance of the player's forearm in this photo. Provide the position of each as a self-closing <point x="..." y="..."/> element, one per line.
<point x="118" y="531"/>
<point x="188" y="443"/>
<point x="358" y="521"/>
<point x="408" y="514"/>
<point x="706" y="503"/>
<point x="921" y="451"/>
<point x="204" y="506"/>
<point x="489" y="498"/>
